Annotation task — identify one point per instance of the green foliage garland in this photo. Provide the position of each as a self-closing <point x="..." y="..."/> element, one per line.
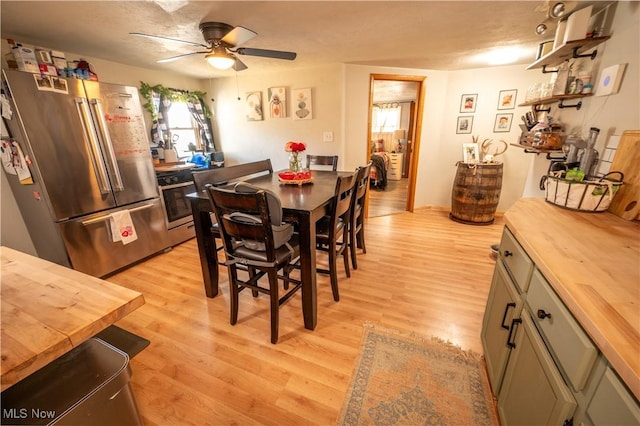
<point x="172" y="94"/>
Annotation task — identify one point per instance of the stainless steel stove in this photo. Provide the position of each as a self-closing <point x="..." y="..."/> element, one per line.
<point x="174" y="187"/>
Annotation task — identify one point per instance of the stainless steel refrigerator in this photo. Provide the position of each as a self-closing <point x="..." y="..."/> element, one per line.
<point x="90" y="157"/>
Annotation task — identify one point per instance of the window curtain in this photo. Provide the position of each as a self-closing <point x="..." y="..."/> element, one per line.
<point x="206" y="132"/>
<point x="386" y="117"/>
<point x="159" y="128"/>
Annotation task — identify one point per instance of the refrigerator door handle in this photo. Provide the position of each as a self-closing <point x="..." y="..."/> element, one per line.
<point x="106" y="138"/>
<point x="90" y="140"/>
<point x="108" y="216"/>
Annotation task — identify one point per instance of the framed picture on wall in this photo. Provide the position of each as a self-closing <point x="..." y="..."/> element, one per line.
<point x="253" y="106"/>
<point x="507" y="99"/>
<point x="503" y="123"/>
<point x="468" y="102"/>
<point x="277" y="102"/>
<point x="470" y="153"/>
<point x="302" y="104"/>
<point x="465" y="123"/>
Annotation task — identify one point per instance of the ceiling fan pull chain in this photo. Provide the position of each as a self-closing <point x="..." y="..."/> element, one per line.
<point x="237" y="86"/>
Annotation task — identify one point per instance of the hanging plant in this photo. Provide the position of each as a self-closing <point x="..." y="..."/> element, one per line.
<point x="173" y="95"/>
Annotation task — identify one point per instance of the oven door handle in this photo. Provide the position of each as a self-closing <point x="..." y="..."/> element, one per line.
<point x="176" y="185"/>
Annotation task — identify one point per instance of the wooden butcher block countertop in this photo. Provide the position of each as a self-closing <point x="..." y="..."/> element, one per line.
<point x="48" y="309"/>
<point x="592" y="261"/>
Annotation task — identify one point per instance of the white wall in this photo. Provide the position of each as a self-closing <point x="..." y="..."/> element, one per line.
<point x="357" y="89"/>
<point x="487" y="83"/>
<point x="243" y="140"/>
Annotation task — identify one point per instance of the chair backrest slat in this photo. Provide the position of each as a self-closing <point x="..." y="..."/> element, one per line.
<point x="362" y="181"/>
<point x="224" y="175"/>
<point x="322" y="160"/>
<point x="345" y="186"/>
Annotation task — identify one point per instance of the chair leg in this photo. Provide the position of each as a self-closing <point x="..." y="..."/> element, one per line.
<point x="345" y="256"/>
<point x="233" y="293"/>
<point x="353" y="246"/>
<point x="360" y="239"/>
<point x="333" y="271"/>
<point x="287" y="271"/>
<point x="275" y="305"/>
<point x="252" y="274"/>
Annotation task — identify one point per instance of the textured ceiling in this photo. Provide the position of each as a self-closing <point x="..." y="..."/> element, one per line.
<point x="437" y="35"/>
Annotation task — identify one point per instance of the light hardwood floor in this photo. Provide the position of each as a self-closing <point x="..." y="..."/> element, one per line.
<point x="391" y="200"/>
<point x="422" y="272"/>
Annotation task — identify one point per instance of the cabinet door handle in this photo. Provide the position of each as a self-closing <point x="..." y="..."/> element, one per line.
<point x="542" y="314"/>
<point x="504" y="317"/>
<point x="513" y="323"/>
<point x="507" y="253"/>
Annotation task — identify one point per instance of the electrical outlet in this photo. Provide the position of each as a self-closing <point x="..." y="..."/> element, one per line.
<point x="327" y="137"/>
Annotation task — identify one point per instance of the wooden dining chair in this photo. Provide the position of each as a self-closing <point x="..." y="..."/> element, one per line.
<point x="254" y="236"/>
<point x="322" y="160"/>
<point x="223" y="176"/>
<point x="332" y="231"/>
<point x="356" y="228"/>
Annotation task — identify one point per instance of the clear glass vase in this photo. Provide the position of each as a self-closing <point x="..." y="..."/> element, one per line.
<point x="294" y="162"/>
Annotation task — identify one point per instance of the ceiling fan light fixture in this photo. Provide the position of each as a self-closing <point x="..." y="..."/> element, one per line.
<point x="220" y="59"/>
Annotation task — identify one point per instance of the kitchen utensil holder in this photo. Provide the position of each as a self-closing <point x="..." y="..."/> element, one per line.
<point x="584" y="196"/>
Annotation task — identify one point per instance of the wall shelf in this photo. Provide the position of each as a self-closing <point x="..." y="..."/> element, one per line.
<point x="556" y="98"/>
<point x="569" y="50"/>
<point x="533" y="150"/>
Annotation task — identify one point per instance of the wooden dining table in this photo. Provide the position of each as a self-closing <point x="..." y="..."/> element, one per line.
<point x="302" y="204"/>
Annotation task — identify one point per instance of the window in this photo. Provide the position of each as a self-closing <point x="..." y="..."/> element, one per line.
<point x="385" y="117"/>
<point x="184" y="130"/>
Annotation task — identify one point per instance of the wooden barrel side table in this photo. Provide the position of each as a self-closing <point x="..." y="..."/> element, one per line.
<point x="476" y="192"/>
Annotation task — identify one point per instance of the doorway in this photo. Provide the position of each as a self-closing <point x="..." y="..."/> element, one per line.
<point x="394" y="129"/>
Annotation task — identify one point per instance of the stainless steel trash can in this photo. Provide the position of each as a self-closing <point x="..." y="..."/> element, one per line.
<point x="89" y="385"/>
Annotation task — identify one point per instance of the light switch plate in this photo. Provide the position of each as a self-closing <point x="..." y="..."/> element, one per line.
<point x="327" y="137"/>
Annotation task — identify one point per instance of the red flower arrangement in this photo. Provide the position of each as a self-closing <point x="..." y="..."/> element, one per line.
<point x="295" y="146"/>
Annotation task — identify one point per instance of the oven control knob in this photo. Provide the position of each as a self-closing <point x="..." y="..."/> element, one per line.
<point x="167" y="180"/>
<point x="174" y="179"/>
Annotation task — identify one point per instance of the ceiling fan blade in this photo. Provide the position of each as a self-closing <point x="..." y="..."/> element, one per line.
<point x="276" y="54"/>
<point x="239" y="65"/>
<point x="175" y="58"/>
<point x="238" y="36"/>
<point x="155" y="37"/>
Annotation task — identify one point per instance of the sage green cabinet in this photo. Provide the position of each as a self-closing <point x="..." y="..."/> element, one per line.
<point x="574" y="351"/>
<point x="503" y="311"/>
<point x="612" y="403"/>
<point x="516" y="260"/>
<point x="543" y="367"/>
<point x="533" y="392"/>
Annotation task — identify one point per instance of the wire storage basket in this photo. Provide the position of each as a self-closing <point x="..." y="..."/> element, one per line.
<point x="584" y="196"/>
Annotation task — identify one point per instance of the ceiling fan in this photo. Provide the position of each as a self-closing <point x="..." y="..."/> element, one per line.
<point x="222" y="41"/>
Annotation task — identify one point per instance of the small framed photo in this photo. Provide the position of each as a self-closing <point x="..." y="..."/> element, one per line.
<point x="503" y="123"/>
<point x="470" y="153"/>
<point x="507" y="99"/>
<point x="465" y="123"/>
<point x="468" y="103"/>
